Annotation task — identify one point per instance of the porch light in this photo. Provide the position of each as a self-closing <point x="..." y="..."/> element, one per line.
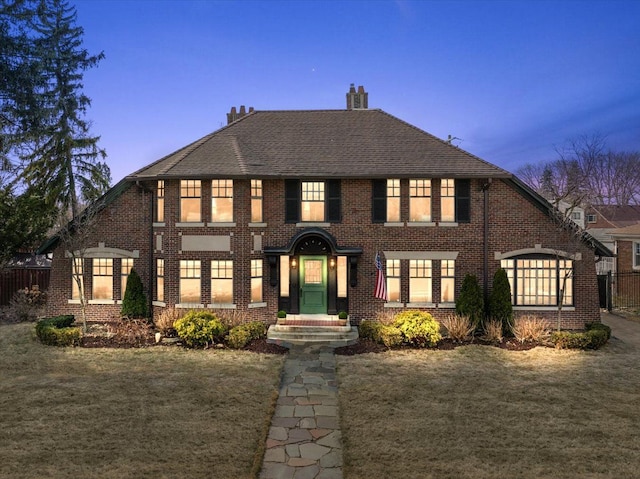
<point x="294" y="263"/>
<point x="332" y="263"/>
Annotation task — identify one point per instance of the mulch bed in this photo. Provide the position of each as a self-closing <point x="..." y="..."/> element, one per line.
<point x="368" y="346"/>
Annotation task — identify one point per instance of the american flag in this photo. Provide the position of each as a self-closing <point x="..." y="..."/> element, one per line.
<point x="381" y="284"/>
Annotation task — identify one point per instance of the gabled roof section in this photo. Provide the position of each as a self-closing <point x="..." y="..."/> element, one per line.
<point x="363" y="143"/>
<point x="631" y="231"/>
<point x="618" y="216"/>
<point x="105" y="200"/>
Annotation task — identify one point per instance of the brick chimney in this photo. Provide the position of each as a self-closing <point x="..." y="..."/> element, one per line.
<point x="235" y="115"/>
<point x="357" y="99"/>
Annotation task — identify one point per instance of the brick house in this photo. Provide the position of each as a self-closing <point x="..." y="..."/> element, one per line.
<point x="286" y="210"/>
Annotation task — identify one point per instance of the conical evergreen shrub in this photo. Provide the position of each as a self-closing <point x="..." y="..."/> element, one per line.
<point x="500" y="307"/>
<point x="134" y="303"/>
<point x="470" y="302"/>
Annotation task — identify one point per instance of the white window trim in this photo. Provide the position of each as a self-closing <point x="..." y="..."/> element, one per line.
<point x="190" y="225"/>
<point x="447" y="305"/>
<point x="304" y="224"/>
<point x="102" y="301"/>
<point x="543" y="308"/>
<point x="221" y="224"/>
<point x="260" y="304"/>
<point x="159" y="303"/>
<point x="158" y="225"/>
<point x="393" y="224"/>
<point x="395" y="304"/>
<point x="257" y="225"/>
<point x="189" y="306"/>
<point x="421" y="305"/>
<point x="421" y="223"/>
<point x="221" y="306"/>
<point x="447" y="223"/>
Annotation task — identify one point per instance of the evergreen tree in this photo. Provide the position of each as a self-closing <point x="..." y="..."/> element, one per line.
<point x="65" y="159"/>
<point x="134" y="303"/>
<point x="500" y="307"/>
<point x="470" y="302"/>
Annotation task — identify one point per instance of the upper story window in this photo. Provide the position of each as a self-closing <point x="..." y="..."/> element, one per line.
<point x="576" y="215"/>
<point x="447" y="200"/>
<point x="313" y="201"/>
<point x="256" y="201"/>
<point x="539" y="281"/>
<point x="393" y="200"/>
<point x="221" y="201"/>
<point x="160" y="201"/>
<point x="592" y="219"/>
<point x="420" y="200"/>
<point x="190" y="198"/>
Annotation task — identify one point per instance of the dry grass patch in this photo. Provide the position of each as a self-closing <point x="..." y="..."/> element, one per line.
<point x="131" y="413"/>
<point x="481" y="412"/>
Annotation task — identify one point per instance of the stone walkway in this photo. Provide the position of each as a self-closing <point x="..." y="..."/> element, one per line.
<point x="304" y="440"/>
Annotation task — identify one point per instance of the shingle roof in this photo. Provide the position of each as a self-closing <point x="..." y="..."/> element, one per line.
<point x="619" y="216"/>
<point x="322" y="143"/>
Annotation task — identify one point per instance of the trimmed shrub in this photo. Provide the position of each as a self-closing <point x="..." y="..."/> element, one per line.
<point x="342" y="315"/>
<point x="390" y="336"/>
<point x="200" y="329"/>
<point x="282" y="314"/>
<point x="470" y="302"/>
<point x="369" y="329"/>
<point x="57" y="331"/>
<point x="500" y="306"/>
<point x="134" y="303"/>
<point x="418" y="328"/>
<point x="530" y="328"/>
<point x="459" y="328"/>
<point x="243" y="334"/>
<point x="591" y="339"/>
<point x="599" y="327"/>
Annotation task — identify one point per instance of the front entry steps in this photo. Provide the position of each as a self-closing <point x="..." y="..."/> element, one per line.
<point x="312" y="328"/>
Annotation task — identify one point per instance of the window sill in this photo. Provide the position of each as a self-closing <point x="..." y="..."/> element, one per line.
<point x="221" y="306"/>
<point x="159" y="225"/>
<point x="189" y="306"/>
<point x="543" y="308"/>
<point x="189" y="225"/>
<point x="102" y="301"/>
<point x="448" y="223"/>
<point x="421" y="305"/>
<point x="305" y="224"/>
<point x="421" y="223"/>
<point x="221" y="224"/>
<point x="393" y="224"/>
<point x="257" y="305"/>
<point x="162" y="304"/>
<point x="394" y="304"/>
<point x="73" y="301"/>
<point x="446" y="305"/>
<point x="257" y="225"/>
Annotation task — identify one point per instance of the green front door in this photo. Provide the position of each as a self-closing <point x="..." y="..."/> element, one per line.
<point x="313" y="285"/>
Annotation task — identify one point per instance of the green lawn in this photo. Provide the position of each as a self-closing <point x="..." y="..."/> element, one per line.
<point x="160" y="412"/>
<point x="480" y="412"/>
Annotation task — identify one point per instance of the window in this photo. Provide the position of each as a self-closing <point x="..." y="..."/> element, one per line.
<point x="591" y="219"/>
<point x="420" y="200"/>
<point x="447" y="200"/>
<point x="636" y="255"/>
<point x="312" y="201"/>
<point x="222" y="281"/>
<point x="420" y="281"/>
<point x="189" y="281"/>
<point x="77" y="276"/>
<point x="393" y="200"/>
<point x="126" y="264"/>
<point x="190" y="193"/>
<point x="256" y="201"/>
<point x="447" y="280"/>
<point x="342" y="276"/>
<point x="576" y="215"/>
<point x="160" y="279"/>
<point x="256" y="280"/>
<point x="102" y="278"/>
<point x="538" y="281"/>
<point x="393" y="280"/>
<point x="221" y="201"/>
<point x="160" y="202"/>
<point x="284" y="276"/>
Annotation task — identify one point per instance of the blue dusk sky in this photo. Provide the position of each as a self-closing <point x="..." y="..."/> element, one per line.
<point x="512" y="79"/>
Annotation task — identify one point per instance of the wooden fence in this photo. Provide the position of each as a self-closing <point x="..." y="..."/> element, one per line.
<point x="12" y="280"/>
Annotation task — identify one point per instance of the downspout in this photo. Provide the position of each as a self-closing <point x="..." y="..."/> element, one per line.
<point x="151" y="267"/>
<point x="485" y="256"/>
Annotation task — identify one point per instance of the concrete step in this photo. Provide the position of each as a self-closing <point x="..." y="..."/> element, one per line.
<point x="336" y="336"/>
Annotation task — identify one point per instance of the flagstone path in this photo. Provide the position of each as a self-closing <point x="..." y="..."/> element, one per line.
<point x="304" y="440"/>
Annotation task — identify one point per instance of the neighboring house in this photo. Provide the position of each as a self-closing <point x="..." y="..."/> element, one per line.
<point x="286" y="210"/>
<point x="601" y="220"/>
<point x="625" y="283"/>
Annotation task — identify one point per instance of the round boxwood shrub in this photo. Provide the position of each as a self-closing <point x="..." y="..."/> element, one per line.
<point x="418" y="328"/>
<point x="198" y="329"/>
<point x="243" y="334"/>
<point x="134" y="303"/>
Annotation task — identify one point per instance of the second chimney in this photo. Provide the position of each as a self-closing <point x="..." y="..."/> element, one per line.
<point x="235" y="115"/>
<point x="357" y="99"/>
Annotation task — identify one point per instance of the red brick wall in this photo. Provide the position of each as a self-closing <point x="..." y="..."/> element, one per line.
<point x="514" y="222"/>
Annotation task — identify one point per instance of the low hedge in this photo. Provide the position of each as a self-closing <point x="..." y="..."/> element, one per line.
<point x="199" y="329"/>
<point x="599" y="327"/>
<point x="593" y="338"/>
<point x="57" y="331"/>
<point x="243" y="334"/>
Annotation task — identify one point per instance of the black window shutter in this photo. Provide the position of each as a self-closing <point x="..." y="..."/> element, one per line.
<point x="334" y="200"/>
<point x="291" y="201"/>
<point x="463" y="201"/>
<point x="379" y="201"/>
